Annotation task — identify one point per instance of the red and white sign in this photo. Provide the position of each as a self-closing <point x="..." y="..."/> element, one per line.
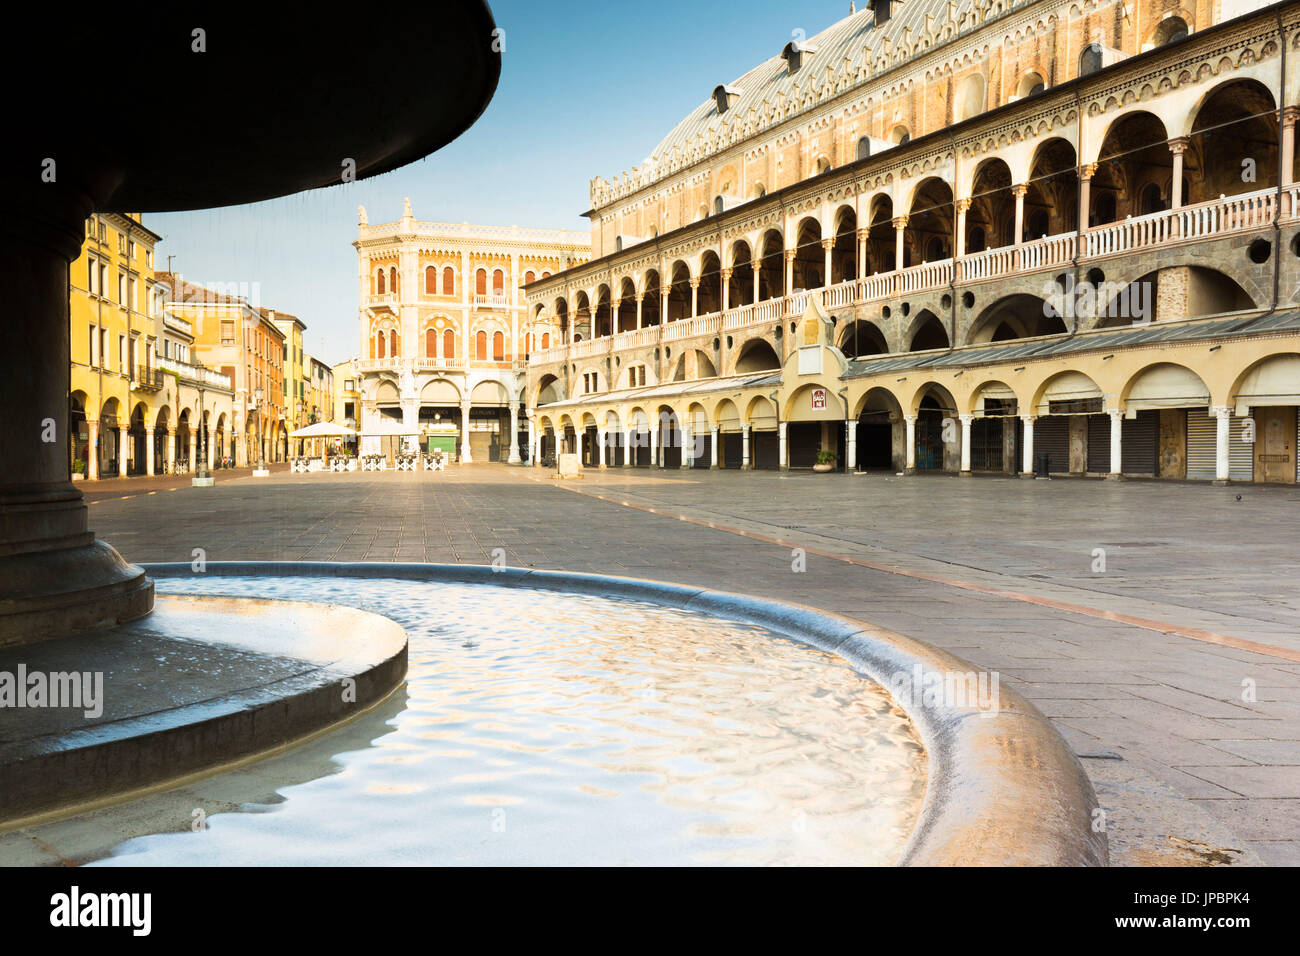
<point x="818" y="398"/>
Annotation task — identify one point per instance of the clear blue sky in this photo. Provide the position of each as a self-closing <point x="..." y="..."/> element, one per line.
<point x="586" y="90"/>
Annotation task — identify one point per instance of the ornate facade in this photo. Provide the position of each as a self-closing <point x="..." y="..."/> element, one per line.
<point x="1037" y="228"/>
<point x="443" y="344"/>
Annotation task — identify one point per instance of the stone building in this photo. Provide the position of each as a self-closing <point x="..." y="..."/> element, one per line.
<point x="1010" y="229"/>
<point x="442" y="339"/>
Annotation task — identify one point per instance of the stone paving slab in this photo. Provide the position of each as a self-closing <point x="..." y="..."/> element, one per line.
<point x="1158" y="705"/>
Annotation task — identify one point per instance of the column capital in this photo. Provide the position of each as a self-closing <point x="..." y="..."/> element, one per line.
<point x="1179" y="144"/>
<point x="966" y="419"/>
<point x="911" y="419"/>
<point x="1290" y="114"/>
<point x="1221" y="411"/>
<point x="1028" y="419"/>
<point x="864" y="234"/>
<point x="790" y="254"/>
<point x="900" y="223"/>
<point x="665" y="291"/>
<point x="726" y="274"/>
<point x="639" y="297"/>
<point x="828" y="244"/>
<point x="1020" y="191"/>
<point x="1115" y="413"/>
<point x="963" y="205"/>
<point x="695" y="283"/>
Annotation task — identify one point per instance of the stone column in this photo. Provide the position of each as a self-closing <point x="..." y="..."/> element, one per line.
<point x="654" y="445"/>
<point x="664" y="293"/>
<point x="639" y="297"/>
<point x="194" y="449"/>
<point x="789" y="270"/>
<point x="900" y="224"/>
<point x="514" y="435"/>
<point x="713" y="448"/>
<point x="863" y="235"/>
<point x="532" y="437"/>
<point x="757" y="272"/>
<point x="1116" y="440"/>
<point x="959" y="240"/>
<point x="465" y="457"/>
<point x="1289" y="116"/>
<point x="783" y="459"/>
<point x="744" y="447"/>
<point x="149" y="441"/>
<point x="171" y="451"/>
<point x="600" y="447"/>
<point x="828" y="246"/>
<point x="1222" y="459"/>
<point x="1019" y="192"/>
<point x="695" y="297"/>
<point x="726" y="289"/>
<point x="122" y="445"/>
<point x="910" y="450"/>
<point x="1177" y="147"/>
<point x="965" y="444"/>
<point x="688" y="447"/>
<point x="850" y="446"/>
<point x="1085" y="197"/>
<point x="1027" y="441"/>
<point x="92" y="449"/>
<point x="628" y="449"/>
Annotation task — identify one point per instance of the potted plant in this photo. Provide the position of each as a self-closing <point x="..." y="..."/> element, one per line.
<point x="78" y="469"/>
<point x="825" y="461"/>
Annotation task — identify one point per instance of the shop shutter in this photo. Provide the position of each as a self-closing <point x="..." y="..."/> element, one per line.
<point x="804" y="439"/>
<point x="732" y="443"/>
<point x="1140" y="438"/>
<point x="1052" y="437"/>
<point x="1099" y="444"/>
<point x="1202" y="435"/>
<point x="765" y="449"/>
<point x="703" y="451"/>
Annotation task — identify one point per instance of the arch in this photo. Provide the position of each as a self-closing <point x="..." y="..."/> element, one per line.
<point x="1066" y="392"/>
<point x="480" y="345"/>
<point x="440" y="392"/>
<point x="1233" y="145"/>
<point x="490" y="393"/>
<point x="1015" y="316"/>
<point x="933" y="395"/>
<point x="809" y="260"/>
<point x="760" y="413"/>
<point x="449" y="344"/>
<point x="381" y="283"/>
<point x="679" y="291"/>
<point x="1273" y="380"/>
<point x="756" y="355"/>
<point x="968" y="98"/>
<point x="549" y="390"/>
<point x="1169" y="30"/>
<point x="386" y="393"/>
<point x="771" y="265"/>
<point x="990" y="221"/>
<point x="448" y="281"/>
<point x="1031" y="84"/>
<point x="431" y="280"/>
<point x="900" y="135"/>
<point x="1134" y="151"/>
<point x="430" y="342"/>
<point x="726" y="416"/>
<point x="929" y="222"/>
<point x="926" y="333"/>
<point x="1091" y="59"/>
<point x="1189" y="292"/>
<point x="861" y="337"/>
<point x="498" y="282"/>
<point x="740" y="286"/>
<point x="992" y="397"/>
<point x="1164" y="385"/>
<point x="480" y="281"/>
<point x="1052" y="193"/>
<point x="498" y="346"/>
<point x="882" y="244"/>
<point x="864" y="147"/>
<point x="708" y="297"/>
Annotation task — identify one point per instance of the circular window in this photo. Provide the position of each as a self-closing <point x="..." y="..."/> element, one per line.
<point x="1096" y="277"/>
<point x="1260" y="250"/>
<point x="907" y="308"/>
<point x="968" y="300"/>
<point x="947" y="301"/>
<point x="885" y="313"/>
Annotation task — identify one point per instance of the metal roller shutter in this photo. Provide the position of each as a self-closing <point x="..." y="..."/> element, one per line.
<point x="805" y="440"/>
<point x="765" y="448"/>
<point x="1202" y="436"/>
<point x="1099" y="444"/>
<point x="1052" y="437"/>
<point x="703" y="451"/>
<point x="1140" y="440"/>
<point x="732" y="447"/>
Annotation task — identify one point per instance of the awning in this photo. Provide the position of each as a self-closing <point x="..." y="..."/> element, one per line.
<point x="323" y="430"/>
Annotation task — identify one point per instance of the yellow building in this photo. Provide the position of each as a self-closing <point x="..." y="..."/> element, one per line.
<point x="297" y="406"/>
<point x="134" y="391"/>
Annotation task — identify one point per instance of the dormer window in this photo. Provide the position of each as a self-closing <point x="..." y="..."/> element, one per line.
<point x="725" y="97"/>
<point x="881" y="8"/>
<point x="793" y="54"/>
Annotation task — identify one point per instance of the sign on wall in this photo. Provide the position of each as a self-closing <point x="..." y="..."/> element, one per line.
<point x="818" y="399"/>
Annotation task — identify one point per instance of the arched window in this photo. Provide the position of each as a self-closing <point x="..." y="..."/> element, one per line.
<point x="392" y="279"/>
<point x="719" y="205"/>
<point x="372" y="346"/>
<point x="430" y="343"/>
<point x="480" y="346"/>
<point x="498" y="347"/>
<point x="823" y="165"/>
<point x="529" y="276"/>
<point x="430" y="281"/>
<point x="1031" y="84"/>
<point x="977" y="240"/>
<point x="449" y="344"/>
<point x="1152" y="201"/>
<point x="381" y="346"/>
<point x="864" y="148"/>
<point x="1169" y="30"/>
<point x="546" y="275"/>
<point x="1103" y="209"/>
<point x="546" y="340"/>
<point x="448" y="281"/>
<point x="381" y="284"/>
<point x="528" y="344"/>
<point x="1037" y="225"/>
<point x="480" y="282"/>
<point x="498" y="282"/>
<point x="1090" y="59"/>
<point x="934" y="250"/>
<point x="392" y="343"/>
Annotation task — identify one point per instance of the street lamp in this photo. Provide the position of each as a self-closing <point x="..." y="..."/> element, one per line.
<point x="260" y="471"/>
<point x="201" y="477"/>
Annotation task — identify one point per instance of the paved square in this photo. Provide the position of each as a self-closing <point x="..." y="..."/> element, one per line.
<point x="1174" y="672"/>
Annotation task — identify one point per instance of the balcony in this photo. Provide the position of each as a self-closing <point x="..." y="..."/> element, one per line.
<point x="387" y="302"/>
<point x="1203" y="221"/>
<point x="495" y="302"/>
<point x="147" y="379"/>
<point x="195" y="374"/>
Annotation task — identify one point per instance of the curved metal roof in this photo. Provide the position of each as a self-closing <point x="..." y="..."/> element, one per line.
<point x="854" y="38"/>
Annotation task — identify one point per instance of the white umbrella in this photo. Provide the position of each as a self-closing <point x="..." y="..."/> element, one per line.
<point x="388" y="427"/>
<point x="323" y="430"/>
